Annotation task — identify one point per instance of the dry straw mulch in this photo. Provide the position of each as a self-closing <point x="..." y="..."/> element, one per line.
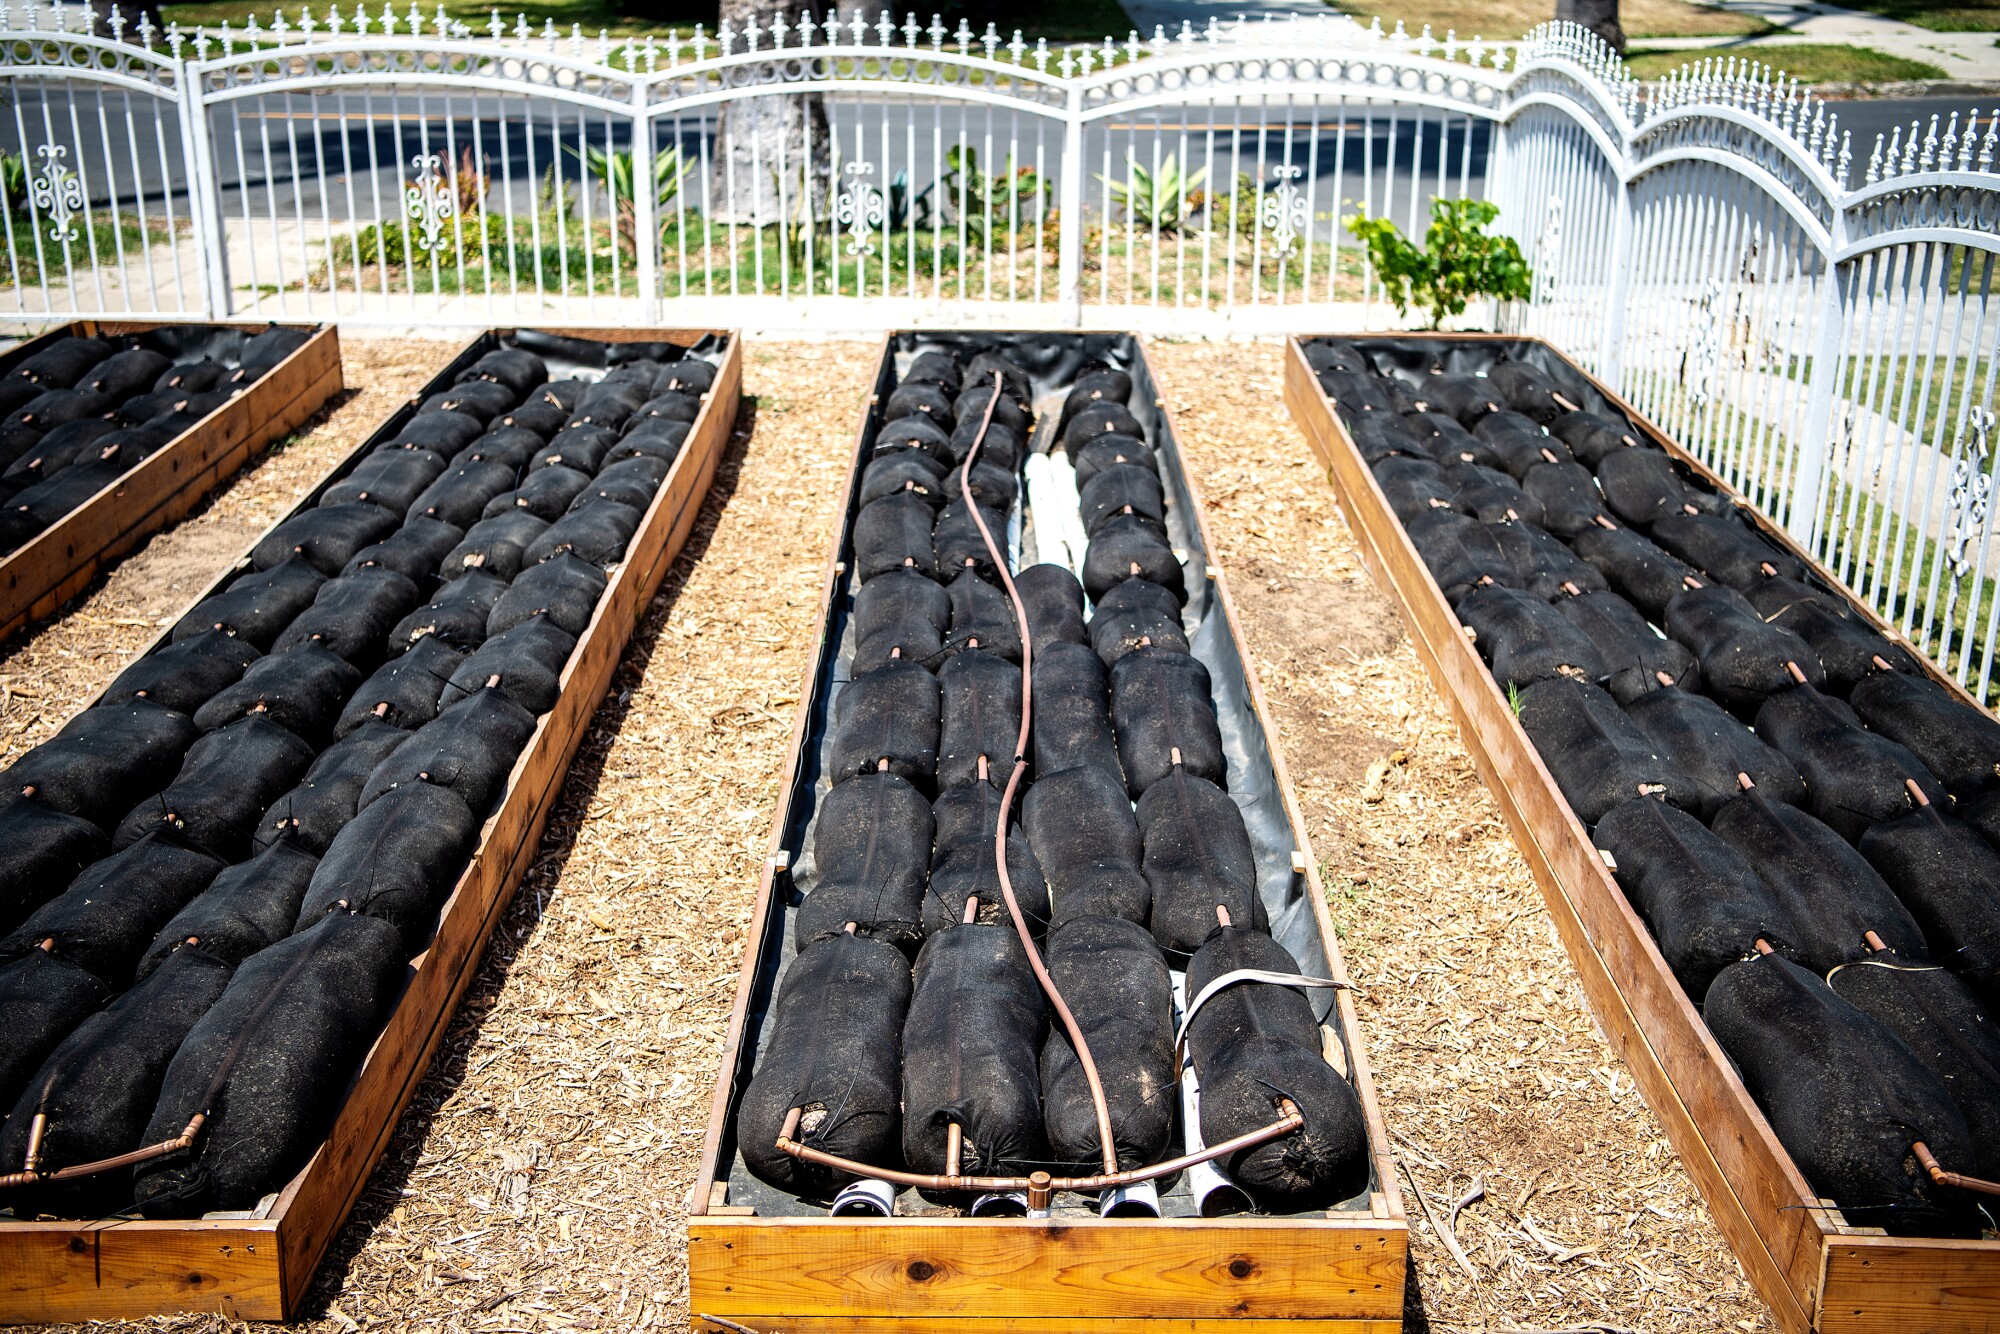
<point x="539" y="1182"/>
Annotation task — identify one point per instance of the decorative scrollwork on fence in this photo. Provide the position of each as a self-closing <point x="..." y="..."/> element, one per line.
<point x="57" y="192"/>
<point x="1733" y="140"/>
<point x="1971" y="488"/>
<point x="1924" y="204"/>
<point x="1283" y="213"/>
<point x="1703" y="354"/>
<point x="429" y="199"/>
<point x="860" y="208"/>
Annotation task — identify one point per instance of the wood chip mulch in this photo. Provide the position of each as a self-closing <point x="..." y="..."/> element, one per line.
<point x="539" y="1181"/>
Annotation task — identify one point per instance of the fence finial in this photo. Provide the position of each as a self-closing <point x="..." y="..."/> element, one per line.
<point x="1987" y="145"/>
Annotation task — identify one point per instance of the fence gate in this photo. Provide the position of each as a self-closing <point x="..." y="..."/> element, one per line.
<point x="95" y="197"/>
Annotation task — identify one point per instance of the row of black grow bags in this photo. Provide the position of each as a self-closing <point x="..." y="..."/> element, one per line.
<point x="81" y="412"/>
<point x="884" y="1010"/>
<point x="1808" y="823"/>
<point x="213" y="881"/>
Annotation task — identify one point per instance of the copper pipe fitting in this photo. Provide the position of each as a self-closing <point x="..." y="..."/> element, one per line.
<point x="1979" y="1185"/>
<point x="954" y="1148"/>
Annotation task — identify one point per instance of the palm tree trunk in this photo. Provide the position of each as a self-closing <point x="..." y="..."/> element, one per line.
<point x="773" y="159"/>
<point x="1600" y="16"/>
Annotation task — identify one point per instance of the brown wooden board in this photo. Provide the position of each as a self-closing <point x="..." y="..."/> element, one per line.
<point x="1816" y="1272"/>
<point x="1339" y="1270"/>
<point x="259" y="1268"/>
<point x="62" y="560"/>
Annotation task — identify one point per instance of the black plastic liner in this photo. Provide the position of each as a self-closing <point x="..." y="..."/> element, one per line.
<point x="1095" y="874"/>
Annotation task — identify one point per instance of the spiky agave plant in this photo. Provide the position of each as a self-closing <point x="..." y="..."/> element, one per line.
<point x="1156" y="199"/>
<point x="614" y="170"/>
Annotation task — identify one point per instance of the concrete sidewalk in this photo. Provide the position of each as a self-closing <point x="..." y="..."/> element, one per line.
<point x="1969" y="56"/>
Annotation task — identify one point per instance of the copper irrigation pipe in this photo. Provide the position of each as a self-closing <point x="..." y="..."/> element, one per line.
<point x="1041" y="1184"/>
<point x="1978" y="1185"/>
<point x="30" y="1176"/>
<point x="1098" y="1103"/>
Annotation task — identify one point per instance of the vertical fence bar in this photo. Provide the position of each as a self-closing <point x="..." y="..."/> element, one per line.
<point x="1069" y="241"/>
<point x="645" y="202"/>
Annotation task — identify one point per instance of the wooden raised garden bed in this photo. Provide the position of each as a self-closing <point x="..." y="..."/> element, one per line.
<point x="1815" y="1271"/>
<point x="763" y="1259"/>
<point x="257" y="1267"/>
<point x="61" y="561"/>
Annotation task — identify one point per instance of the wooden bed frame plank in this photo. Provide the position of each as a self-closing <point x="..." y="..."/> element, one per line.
<point x="1795" y="1251"/>
<point x="1041" y="1325"/>
<point x="1341" y="1273"/>
<point x="260" y="1269"/>
<point x="63" y="559"/>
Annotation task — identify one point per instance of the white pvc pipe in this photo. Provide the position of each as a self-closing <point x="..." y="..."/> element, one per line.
<point x="863" y="1197"/>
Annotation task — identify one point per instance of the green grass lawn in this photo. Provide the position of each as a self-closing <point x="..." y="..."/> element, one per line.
<point x="1506" y="19"/>
<point x="1977" y="16"/>
<point x="1808" y="62"/>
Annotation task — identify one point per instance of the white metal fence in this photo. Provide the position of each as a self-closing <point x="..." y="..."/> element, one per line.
<point x="395" y="168"/>
<point x="1827" y="345"/>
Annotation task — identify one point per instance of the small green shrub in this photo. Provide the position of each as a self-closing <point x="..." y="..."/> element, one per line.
<point x="1458" y="262"/>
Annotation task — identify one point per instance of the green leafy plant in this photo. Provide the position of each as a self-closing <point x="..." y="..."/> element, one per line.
<point x="1458" y="262"/>
<point x="906" y="209"/>
<point x="999" y="200"/>
<point x="1514" y="699"/>
<point x="13" y="181"/>
<point x="1165" y="199"/>
<point x="614" y="170"/>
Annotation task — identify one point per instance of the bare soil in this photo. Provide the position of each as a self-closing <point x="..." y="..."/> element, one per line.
<point x="539" y="1182"/>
